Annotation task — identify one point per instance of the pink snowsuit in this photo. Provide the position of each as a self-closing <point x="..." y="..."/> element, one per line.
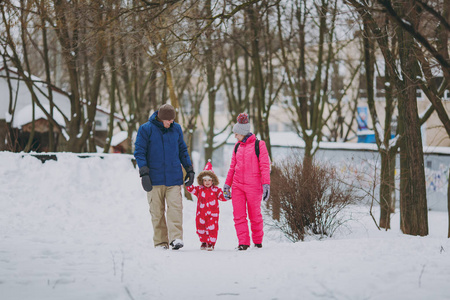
<point x="207" y="219"/>
<point x="246" y="176"/>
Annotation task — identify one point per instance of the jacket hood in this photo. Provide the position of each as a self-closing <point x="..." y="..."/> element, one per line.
<point x="211" y="174"/>
<point x="157" y="123"/>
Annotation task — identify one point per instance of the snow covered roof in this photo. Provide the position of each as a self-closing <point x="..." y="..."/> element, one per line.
<point x="60" y="97"/>
<point x="22" y="97"/>
<point x="119" y="138"/>
<point x="291" y="139"/>
<point x="24" y="116"/>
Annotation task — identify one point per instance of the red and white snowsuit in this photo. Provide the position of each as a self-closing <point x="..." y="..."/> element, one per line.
<point x="246" y="176"/>
<point x="207" y="219"/>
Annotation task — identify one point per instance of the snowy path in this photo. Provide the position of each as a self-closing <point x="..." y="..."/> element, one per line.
<point x="80" y="229"/>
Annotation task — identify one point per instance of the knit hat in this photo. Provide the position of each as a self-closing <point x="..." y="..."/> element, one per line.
<point x="166" y="112"/>
<point x="242" y="126"/>
<point x="208" y="173"/>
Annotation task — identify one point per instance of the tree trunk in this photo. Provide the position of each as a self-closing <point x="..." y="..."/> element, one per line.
<point x="393" y="158"/>
<point x="112" y="95"/>
<point x="414" y="213"/>
<point x="308" y="157"/>
<point x="385" y="191"/>
<point x="51" y="139"/>
<point x="382" y="141"/>
<point x="258" y="97"/>
<point x="211" y="88"/>
<point x="169" y="78"/>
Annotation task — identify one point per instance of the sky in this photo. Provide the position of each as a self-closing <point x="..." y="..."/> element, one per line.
<point x="80" y="229"/>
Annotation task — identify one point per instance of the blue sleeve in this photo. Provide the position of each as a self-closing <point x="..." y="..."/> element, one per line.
<point x="140" y="146"/>
<point x="183" y="150"/>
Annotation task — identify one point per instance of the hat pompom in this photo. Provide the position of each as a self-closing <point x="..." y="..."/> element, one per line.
<point x="208" y="166"/>
<point x="242" y="118"/>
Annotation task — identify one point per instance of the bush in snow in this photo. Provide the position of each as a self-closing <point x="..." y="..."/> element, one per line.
<point x="308" y="201"/>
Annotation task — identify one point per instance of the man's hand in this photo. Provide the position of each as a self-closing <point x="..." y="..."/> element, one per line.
<point x="145" y="178"/>
<point x="189" y="179"/>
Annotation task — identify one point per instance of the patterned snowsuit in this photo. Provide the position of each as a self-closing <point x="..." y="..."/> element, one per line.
<point x="246" y="176"/>
<point x="207" y="219"/>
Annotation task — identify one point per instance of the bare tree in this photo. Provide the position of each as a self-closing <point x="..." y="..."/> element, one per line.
<point x="17" y="52"/>
<point x="308" y="53"/>
<point x="413" y="206"/>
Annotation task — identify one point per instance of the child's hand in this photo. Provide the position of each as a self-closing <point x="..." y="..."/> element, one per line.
<point x="227" y="192"/>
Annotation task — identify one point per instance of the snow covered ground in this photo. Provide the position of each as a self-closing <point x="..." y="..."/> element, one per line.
<point x="80" y="229"/>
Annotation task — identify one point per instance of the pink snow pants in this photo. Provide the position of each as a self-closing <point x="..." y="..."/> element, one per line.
<point x="247" y="198"/>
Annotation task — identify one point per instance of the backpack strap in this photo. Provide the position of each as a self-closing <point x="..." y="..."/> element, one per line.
<point x="256" y="148"/>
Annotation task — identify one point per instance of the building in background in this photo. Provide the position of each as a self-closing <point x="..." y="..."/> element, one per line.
<point x="15" y="96"/>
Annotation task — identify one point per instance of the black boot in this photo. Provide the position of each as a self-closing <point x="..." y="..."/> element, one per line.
<point x="177" y="244"/>
<point x="242" y="247"/>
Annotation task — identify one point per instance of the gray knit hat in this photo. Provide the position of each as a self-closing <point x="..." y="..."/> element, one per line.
<point x="242" y="126"/>
<point x="166" y="112"/>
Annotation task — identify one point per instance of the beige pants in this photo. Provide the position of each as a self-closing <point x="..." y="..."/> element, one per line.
<point x="163" y="232"/>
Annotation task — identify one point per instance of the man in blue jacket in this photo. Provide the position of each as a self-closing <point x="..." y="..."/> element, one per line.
<point x="160" y="151"/>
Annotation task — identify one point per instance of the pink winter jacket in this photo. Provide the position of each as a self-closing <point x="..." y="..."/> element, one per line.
<point x="245" y="168"/>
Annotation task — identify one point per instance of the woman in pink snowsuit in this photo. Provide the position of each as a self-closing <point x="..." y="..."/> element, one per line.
<point x="208" y="196"/>
<point x="249" y="177"/>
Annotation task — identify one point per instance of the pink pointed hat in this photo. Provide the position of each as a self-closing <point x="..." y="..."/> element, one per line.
<point x="208" y="166"/>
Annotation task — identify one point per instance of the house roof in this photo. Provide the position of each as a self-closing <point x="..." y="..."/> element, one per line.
<point x="23" y="104"/>
<point x="25" y="116"/>
<point x="119" y="138"/>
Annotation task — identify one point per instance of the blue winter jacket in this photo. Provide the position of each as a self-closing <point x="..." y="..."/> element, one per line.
<point x="163" y="150"/>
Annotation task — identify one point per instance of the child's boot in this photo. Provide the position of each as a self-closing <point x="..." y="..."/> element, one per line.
<point x="203" y="246"/>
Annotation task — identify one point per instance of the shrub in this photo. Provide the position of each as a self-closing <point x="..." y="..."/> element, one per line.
<point x="308" y="200"/>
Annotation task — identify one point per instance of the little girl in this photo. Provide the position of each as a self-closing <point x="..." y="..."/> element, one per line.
<point x="208" y="194"/>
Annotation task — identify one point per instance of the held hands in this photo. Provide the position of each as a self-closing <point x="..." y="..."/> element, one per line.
<point x="145" y="178"/>
<point x="189" y="179"/>
<point x="266" y="192"/>
<point x="226" y="191"/>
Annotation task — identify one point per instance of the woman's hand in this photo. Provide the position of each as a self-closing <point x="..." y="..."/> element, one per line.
<point x="266" y="192"/>
<point x="227" y="191"/>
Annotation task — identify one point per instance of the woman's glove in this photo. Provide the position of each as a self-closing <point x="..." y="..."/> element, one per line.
<point x="226" y="191"/>
<point x="145" y="178"/>
<point x="266" y="192"/>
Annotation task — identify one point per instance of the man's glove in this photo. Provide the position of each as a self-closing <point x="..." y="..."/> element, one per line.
<point x="226" y="191"/>
<point x="189" y="179"/>
<point x="266" y="192"/>
<point x="145" y="178"/>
